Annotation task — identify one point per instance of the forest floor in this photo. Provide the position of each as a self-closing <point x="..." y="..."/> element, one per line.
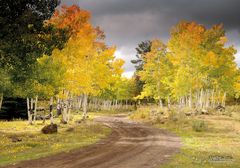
<point x="130" y="145"/>
<point x="209" y="141"/>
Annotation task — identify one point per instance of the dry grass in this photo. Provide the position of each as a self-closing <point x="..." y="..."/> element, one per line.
<point x="218" y="146"/>
<point x="34" y="144"/>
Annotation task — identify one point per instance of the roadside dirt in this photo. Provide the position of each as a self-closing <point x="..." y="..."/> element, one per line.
<point x="131" y="145"/>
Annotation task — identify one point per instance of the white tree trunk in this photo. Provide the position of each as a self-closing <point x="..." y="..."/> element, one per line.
<point x="29" y="112"/>
<point x="69" y="111"/>
<point x="51" y="110"/>
<point x="80" y="102"/>
<point x="169" y="103"/>
<point x="213" y="101"/>
<point x="197" y="99"/>
<point x="64" y="112"/>
<point x="35" y="109"/>
<point x="85" y="103"/>
<point x="219" y="98"/>
<point x="190" y="99"/>
<point x="224" y="99"/>
<point x="1" y="100"/>
<point x="116" y="104"/>
<point x="160" y="103"/>
<point x="208" y="94"/>
<point x="201" y="99"/>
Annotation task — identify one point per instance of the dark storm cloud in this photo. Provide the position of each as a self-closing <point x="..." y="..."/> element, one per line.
<point x="127" y="22"/>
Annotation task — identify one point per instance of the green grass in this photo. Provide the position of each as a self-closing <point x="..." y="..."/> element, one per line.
<point x="200" y="149"/>
<point x="35" y="145"/>
<point x="216" y="147"/>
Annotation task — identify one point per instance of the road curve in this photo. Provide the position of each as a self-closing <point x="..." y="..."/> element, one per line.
<point x="131" y="145"/>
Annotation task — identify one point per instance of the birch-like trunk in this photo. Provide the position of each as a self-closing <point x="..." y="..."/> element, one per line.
<point x="29" y="111"/>
<point x="190" y="99"/>
<point x="80" y="102"/>
<point x="116" y="103"/>
<point x="69" y="111"/>
<point x="58" y="107"/>
<point x="160" y="103"/>
<point x="207" y="98"/>
<point x="85" y="102"/>
<point x="224" y="99"/>
<point x="169" y="103"/>
<point x="197" y="99"/>
<point x="213" y="100"/>
<point x="35" y="109"/>
<point x="201" y="99"/>
<point x="1" y="100"/>
<point x="51" y="110"/>
<point x="219" y="98"/>
<point x="64" y="112"/>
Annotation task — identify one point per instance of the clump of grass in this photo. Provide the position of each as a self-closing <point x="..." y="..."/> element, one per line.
<point x="141" y="114"/>
<point x="199" y="125"/>
<point x="176" y="115"/>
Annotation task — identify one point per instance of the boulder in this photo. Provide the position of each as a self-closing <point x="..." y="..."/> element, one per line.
<point x="50" y="129"/>
<point x="220" y="108"/>
<point x="15" y="139"/>
<point x="70" y="129"/>
<point x="188" y="113"/>
<point x="63" y="122"/>
<point x="204" y="112"/>
<point x="78" y="121"/>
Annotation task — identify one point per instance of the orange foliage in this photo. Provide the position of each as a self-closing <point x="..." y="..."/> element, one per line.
<point x="76" y="21"/>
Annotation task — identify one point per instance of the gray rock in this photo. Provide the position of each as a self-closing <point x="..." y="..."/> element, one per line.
<point x="15" y="139"/>
<point x="50" y="129"/>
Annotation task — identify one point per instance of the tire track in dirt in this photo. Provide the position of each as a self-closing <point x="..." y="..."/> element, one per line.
<point x="131" y="145"/>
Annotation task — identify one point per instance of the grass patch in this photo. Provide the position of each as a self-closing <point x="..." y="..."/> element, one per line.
<point x="215" y="147"/>
<point x="209" y="141"/>
<point x="199" y="125"/>
<point x="34" y="145"/>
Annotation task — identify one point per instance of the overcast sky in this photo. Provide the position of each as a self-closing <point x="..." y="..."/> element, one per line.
<point x="128" y="22"/>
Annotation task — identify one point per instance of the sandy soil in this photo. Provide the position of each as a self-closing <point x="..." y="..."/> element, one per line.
<point x="131" y="145"/>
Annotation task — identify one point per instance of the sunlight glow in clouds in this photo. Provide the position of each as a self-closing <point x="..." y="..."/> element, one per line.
<point x="126" y="74"/>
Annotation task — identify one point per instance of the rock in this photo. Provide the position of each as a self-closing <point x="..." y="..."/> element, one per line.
<point x="162" y="122"/>
<point x="50" y="129"/>
<point x="15" y="139"/>
<point x="165" y="117"/>
<point x="63" y="122"/>
<point x="196" y="112"/>
<point x="78" y="121"/>
<point x="220" y="108"/>
<point x="70" y="129"/>
<point x="188" y="113"/>
<point x="204" y="112"/>
<point x="153" y="112"/>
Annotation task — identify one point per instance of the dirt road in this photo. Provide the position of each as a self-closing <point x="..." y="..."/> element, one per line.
<point x="131" y="145"/>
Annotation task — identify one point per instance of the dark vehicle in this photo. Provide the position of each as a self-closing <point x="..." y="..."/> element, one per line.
<point x="13" y="108"/>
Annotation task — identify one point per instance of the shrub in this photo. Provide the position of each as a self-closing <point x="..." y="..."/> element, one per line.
<point x="173" y="115"/>
<point x="199" y="125"/>
<point x="141" y="114"/>
<point x="177" y="115"/>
